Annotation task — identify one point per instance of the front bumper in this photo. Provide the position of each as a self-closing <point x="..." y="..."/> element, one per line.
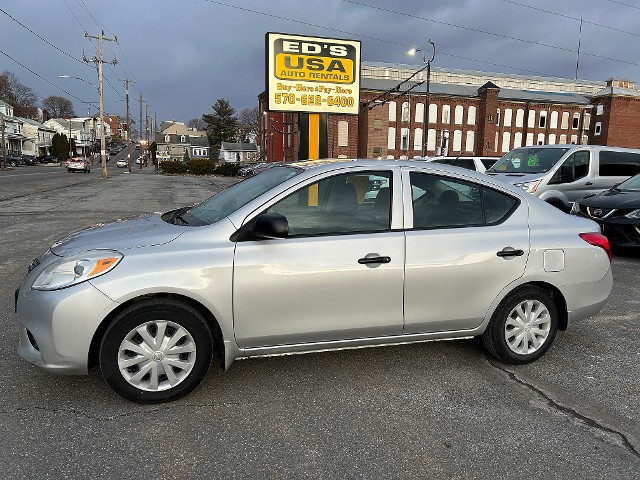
<point x="57" y="327"/>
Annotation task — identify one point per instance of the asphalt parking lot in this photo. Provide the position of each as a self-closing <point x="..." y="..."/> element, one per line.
<point x="432" y="410"/>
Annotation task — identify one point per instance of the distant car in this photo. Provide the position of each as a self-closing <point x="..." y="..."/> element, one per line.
<point x="617" y="210"/>
<point x="113" y="152"/>
<point x="47" y="159"/>
<point x="78" y="165"/>
<point x="137" y="147"/>
<point x="294" y="260"/>
<point x="478" y="164"/>
<point x="250" y="170"/>
<point x="122" y="163"/>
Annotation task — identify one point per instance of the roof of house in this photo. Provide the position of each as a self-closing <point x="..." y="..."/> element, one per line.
<point x="239" y="147"/>
<point x="200" y="141"/>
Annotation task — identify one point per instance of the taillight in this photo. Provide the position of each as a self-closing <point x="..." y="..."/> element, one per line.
<point x="598" y="240"/>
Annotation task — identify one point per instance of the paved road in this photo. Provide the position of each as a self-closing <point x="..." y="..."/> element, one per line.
<point x="434" y="410"/>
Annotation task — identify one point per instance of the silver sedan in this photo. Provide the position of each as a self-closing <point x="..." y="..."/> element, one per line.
<point x="311" y="256"/>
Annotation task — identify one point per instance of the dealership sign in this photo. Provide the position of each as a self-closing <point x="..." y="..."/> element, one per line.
<point x="312" y="74"/>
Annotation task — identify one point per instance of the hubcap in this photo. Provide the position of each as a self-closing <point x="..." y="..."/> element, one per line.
<point x="527" y="327"/>
<point x="156" y="355"/>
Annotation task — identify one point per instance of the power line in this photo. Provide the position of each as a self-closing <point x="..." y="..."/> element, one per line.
<point x="570" y="17"/>
<point x="391" y="42"/>
<point x="44" y="79"/>
<point x="625" y="4"/>
<point x="41" y="38"/>
<point x="485" y="32"/>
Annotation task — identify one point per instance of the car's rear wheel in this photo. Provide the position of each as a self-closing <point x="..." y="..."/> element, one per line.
<point x="156" y="351"/>
<point x="523" y="326"/>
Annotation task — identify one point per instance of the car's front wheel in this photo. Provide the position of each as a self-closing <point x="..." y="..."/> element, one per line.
<point x="156" y="351"/>
<point x="523" y="326"/>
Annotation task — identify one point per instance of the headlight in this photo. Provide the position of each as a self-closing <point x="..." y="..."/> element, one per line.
<point x="77" y="268"/>
<point x="634" y="214"/>
<point x="530" y="187"/>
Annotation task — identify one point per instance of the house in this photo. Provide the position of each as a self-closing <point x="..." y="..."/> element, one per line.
<point x="176" y="139"/>
<point x="12" y="128"/>
<point x="231" y="152"/>
<point x="38" y="138"/>
<point x="81" y="130"/>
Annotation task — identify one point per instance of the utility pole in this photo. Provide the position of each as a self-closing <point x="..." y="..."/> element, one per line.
<point x="146" y="119"/>
<point x="98" y="61"/>
<point x="140" y="132"/>
<point x="126" y="90"/>
<point x="3" y="162"/>
<point x="155" y="127"/>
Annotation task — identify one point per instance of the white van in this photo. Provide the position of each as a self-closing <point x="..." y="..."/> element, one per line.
<point x="561" y="174"/>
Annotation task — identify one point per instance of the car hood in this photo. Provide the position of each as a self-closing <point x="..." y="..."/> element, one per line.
<point x="515" y="177"/>
<point x="120" y="235"/>
<point x="612" y="199"/>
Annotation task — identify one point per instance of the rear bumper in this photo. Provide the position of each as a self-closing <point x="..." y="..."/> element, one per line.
<point x="588" y="298"/>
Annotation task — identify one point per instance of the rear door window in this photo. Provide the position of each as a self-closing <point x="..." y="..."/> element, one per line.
<point x="618" y="164"/>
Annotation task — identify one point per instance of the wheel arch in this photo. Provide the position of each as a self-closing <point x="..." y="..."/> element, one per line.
<point x="212" y="323"/>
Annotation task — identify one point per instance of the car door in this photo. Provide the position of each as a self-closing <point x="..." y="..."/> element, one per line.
<point x="339" y="273"/>
<point x="466" y="244"/>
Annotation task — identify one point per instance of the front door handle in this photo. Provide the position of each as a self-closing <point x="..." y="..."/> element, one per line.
<point x="378" y="259"/>
<point x="588" y="184"/>
<point x="510" y="252"/>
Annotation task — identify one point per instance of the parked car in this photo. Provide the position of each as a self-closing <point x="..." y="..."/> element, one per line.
<point x="48" y="159"/>
<point x="122" y="163"/>
<point x="294" y="259"/>
<point x="28" y="159"/>
<point x="254" y="169"/>
<point x="478" y="164"/>
<point x="12" y="160"/>
<point x="76" y="164"/>
<point x="561" y="174"/>
<point x="617" y="210"/>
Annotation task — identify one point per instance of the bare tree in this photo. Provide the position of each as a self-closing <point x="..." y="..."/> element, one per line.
<point x="58" y="107"/>
<point x="197" y="123"/>
<point x="249" y="122"/>
<point x="24" y="96"/>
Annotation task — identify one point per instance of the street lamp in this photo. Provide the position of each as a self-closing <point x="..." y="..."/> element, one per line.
<point x="425" y="117"/>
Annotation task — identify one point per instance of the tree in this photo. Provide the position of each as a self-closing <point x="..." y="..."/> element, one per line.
<point x="58" y="107"/>
<point x="22" y="98"/>
<point x="60" y="146"/>
<point x="222" y="125"/>
<point x="249" y="121"/>
<point x="153" y="150"/>
<point x="197" y="123"/>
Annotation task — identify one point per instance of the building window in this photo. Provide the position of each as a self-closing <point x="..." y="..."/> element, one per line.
<point x="405" y="112"/>
<point x="498" y="117"/>
<point x="587" y="121"/>
<point x="391" y="139"/>
<point x="563" y="139"/>
<point x="552" y="139"/>
<point x="543" y="122"/>
<point x="377" y="152"/>
<point x="599" y="109"/>
<point x="166" y="138"/>
<point x="431" y="139"/>
<point x="470" y="141"/>
<point x="529" y="140"/>
<point x="419" y="112"/>
<point x="574" y="139"/>
<point x="457" y="140"/>
<point x="506" y="141"/>
<point x="471" y="116"/>
<point x="540" y="139"/>
<point x="417" y="139"/>
<point x="377" y="124"/>
<point x="531" y="121"/>
<point x="459" y="112"/>
<point x="565" y="121"/>
<point x="343" y="133"/>
<point x="182" y="138"/>
<point x="554" y="120"/>
<point x="446" y="114"/>
<point x="404" y="139"/>
<point x="519" y="118"/>
<point x="507" y="117"/>
<point x="433" y="113"/>
<point x="392" y="111"/>
<point x="517" y="140"/>
<point x="598" y="128"/>
<point x="576" y="121"/>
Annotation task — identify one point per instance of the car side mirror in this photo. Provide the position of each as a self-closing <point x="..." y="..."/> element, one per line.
<point x="270" y="226"/>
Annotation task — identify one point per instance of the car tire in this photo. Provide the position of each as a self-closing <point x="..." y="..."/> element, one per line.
<point x="523" y="326"/>
<point x="69" y="170"/>
<point x="144" y="368"/>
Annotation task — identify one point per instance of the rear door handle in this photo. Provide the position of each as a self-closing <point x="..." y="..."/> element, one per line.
<point x="510" y="252"/>
<point x="367" y="260"/>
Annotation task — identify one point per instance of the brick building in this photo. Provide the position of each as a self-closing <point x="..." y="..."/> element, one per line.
<point x="468" y="113"/>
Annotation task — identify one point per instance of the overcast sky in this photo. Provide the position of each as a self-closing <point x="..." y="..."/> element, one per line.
<point x="183" y="55"/>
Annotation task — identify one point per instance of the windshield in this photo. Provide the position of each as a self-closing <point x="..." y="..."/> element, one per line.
<point x="632" y="184"/>
<point x="231" y="199"/>
<point x="529" y="160"/>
